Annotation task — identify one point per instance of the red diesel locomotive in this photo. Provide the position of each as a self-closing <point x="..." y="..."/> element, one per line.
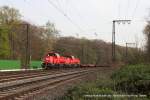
<point x="54" y="60"/>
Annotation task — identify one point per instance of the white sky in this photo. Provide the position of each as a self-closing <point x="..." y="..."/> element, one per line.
<point x="92" y="16"/>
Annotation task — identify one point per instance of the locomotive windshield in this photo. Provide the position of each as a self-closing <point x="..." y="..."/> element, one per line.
<point x="56" y="54"/>
<point x="51" y="54"/>
<point x="72" y="57"/>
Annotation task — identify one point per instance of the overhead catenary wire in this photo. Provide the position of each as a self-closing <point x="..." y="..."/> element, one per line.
<point x="58" y="7"/>
<point x="128" y="5"/>
<point x="134" y="10"/>
<point x="119" y="4"/>
<point x="75" y="11"/>
<point x="82" y="19"/>
<point x="65" y="15"/>
<point x="60" y="4"/>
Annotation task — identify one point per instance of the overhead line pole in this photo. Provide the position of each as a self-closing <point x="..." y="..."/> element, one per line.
<point x="114" y="37"/>
<point x="27" y="48"/>
<point x="27" y="45"/>
<point x="26" y="64"/>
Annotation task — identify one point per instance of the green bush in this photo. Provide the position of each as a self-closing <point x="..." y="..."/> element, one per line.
<point x="133" y="79"/>
<point x="78" y="93"/>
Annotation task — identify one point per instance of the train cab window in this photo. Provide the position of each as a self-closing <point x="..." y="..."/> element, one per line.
<point x="72" y="57"/>
<point x="57" y="55"/>
<point x="51" y="54"/>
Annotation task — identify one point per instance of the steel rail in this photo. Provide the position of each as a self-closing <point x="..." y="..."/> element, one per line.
<point x="18" y="77"/>
<point x="34" y="84"/>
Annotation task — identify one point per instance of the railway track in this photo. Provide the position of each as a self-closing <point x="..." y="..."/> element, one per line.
<point x="18" y="76"/>
<point x="17" y="87"/>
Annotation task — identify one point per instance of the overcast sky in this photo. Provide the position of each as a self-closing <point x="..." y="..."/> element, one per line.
<point x="89" y="18"/>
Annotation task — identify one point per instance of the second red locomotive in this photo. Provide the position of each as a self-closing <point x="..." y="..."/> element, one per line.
<point x="52" y="60"/>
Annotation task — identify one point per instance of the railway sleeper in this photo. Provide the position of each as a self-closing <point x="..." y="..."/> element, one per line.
<point x="36" y="87"/>
<point x="13" y="83"/>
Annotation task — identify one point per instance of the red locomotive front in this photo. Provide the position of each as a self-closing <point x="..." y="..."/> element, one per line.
<point x="52" y="60"/>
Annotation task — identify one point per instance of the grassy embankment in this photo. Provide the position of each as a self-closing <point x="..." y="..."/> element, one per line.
<point x="15" y="64"/>
<point x="130" y="79"/>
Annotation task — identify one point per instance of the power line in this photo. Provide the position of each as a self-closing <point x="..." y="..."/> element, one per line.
<point x="59" y="4"/>
<point x="64" y="14"/>
<point x="75" y="9"/>
<point x="119" y="9"/>
<point x="134" y="11"/>
<point x="128" y="3"/>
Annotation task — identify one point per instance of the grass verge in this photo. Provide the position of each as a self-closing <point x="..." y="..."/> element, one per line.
<point x="15" y="64"/>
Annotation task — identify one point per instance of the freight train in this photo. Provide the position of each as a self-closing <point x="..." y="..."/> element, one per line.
<point x="54" y="60"/>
